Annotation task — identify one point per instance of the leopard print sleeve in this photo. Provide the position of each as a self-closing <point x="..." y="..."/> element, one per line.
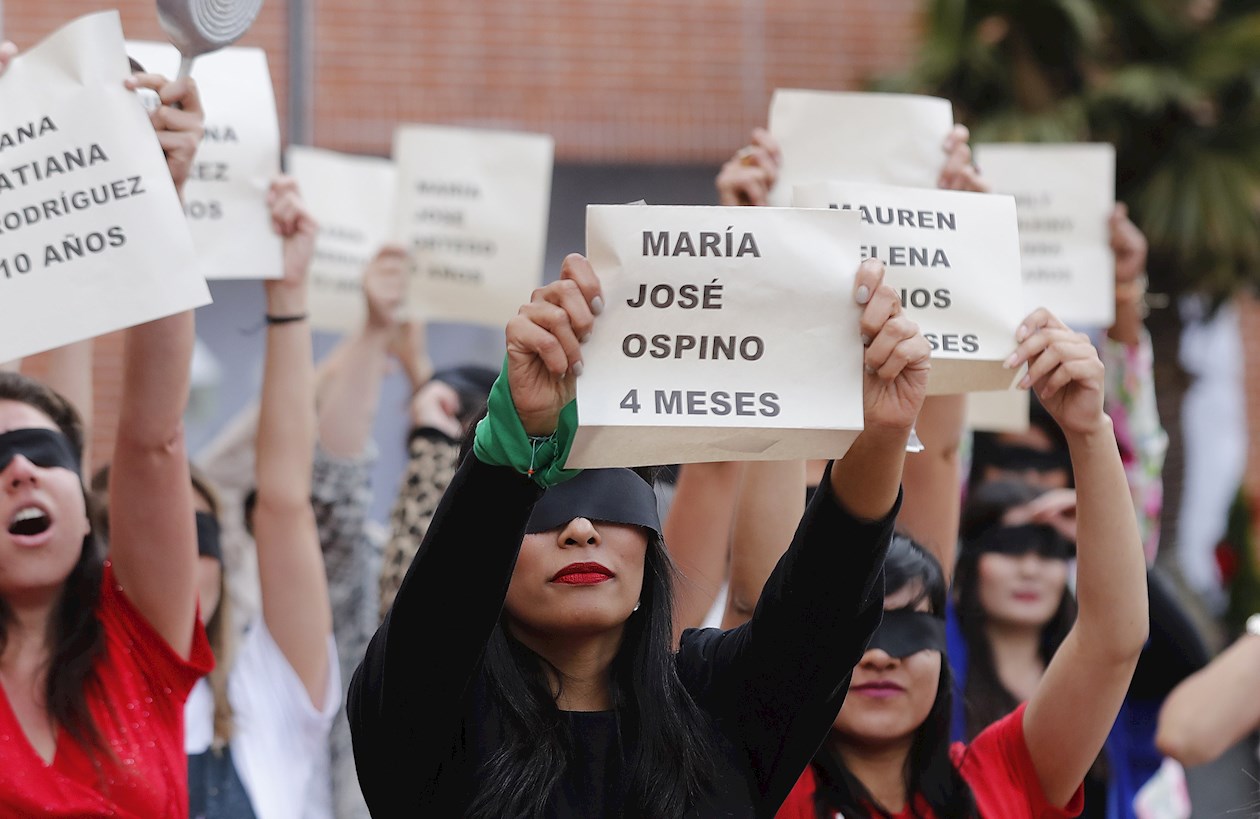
<point x="432" y="459"/>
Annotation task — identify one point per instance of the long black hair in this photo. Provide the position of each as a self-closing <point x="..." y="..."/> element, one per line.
<point x="985" y="698"/>
<point x="666" y="741"/>
<point x="929" y="773"/>
<point x="75" y="637"/>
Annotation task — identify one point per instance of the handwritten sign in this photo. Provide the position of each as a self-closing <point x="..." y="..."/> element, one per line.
<point x="729" y="334"/>
<point x="954" y="257"/>
<point x="226" y="195"/>
<point x="1064" y="195"/>
<point x="472" y="209"/>
<point x="352" y="198"/>
<point x="888" y="139"/>
<point x="91" y="234"/>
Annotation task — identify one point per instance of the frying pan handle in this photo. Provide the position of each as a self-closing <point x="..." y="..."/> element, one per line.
<point x="185" y="67"/>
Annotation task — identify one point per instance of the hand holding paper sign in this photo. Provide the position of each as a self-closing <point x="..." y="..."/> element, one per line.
<point x="385" y="286"/>
<point x="294" y="224"/>
<point x="897" y="357"/>
<point x="1063" y="369"/>
<point x="959" y="172"/>
<point x="178" y="121"/>
<point x="7" y="52"/>
<point x="1129" y="246"/>
<point x="544" y="344"/>
<point x="748" y="176"/>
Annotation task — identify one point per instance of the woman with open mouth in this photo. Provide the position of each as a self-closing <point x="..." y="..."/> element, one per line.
<point x="97" y="657"/>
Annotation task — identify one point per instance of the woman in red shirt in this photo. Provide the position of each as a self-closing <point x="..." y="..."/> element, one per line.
<point x="97" y="657"/>
<point x="888" y="754"/>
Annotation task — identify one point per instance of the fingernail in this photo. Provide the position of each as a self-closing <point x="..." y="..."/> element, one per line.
<point x="1025" y="382"/>
<point x="869" y="369"/>
<point x="866" y="340"/>
<point x="584" y="338"/>
<point x="1021" y="333"/>
<point x="577" y="368"/>
<point x="597" y="305"/>
<point x="1010" y="362"/>
<point x="863" y="294"/>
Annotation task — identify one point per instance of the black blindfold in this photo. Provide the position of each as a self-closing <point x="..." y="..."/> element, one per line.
<point x="42" y="447"/>
<point x="1020" y="540"/>
<point x="903" y="632"/>
<point x="208" y="544"/>
<point x="610" y="495"/>
<point x="1023" y="459"/>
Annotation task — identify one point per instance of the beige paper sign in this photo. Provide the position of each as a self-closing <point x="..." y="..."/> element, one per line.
<point x="886" y="139"/>
<point x="92" y="239"/>
<point x="1002" y="411"/>
<point x="954" y="257"/>
<point x="729" y="334"/>
<point x="226" y="195"/>
<point x="473" y="207"/>
<point x="1064" y="195"/>
<point x="352" y="198"/>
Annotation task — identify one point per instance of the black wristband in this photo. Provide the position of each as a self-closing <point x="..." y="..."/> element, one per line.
<point x="285" y="319"/>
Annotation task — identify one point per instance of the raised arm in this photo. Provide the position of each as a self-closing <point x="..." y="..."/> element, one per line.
<point x="291" y="577"/>
<point x="417" y="670"/>
<point x="1130" y="387"/>
<point x="932" y="506"/>
<point x="698" y="532"/>
<point x="350" y="386"/>
<point x="1213" y="708"/>
<point x="1076" y="702"/>
<point x="771" y="502"/>
<point x="153" y="543"/>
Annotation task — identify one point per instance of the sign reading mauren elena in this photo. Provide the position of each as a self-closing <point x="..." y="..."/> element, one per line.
<point x="954" y="257"/>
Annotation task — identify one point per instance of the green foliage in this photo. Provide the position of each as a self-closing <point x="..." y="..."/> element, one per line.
<point x="1173" y="84"/>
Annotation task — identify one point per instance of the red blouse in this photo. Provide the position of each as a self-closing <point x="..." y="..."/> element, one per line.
<point x="997" y="766"/>
<point x="138" y="709"/>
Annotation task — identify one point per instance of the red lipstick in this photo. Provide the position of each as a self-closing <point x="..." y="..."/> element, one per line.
<point x="582" y="574"/>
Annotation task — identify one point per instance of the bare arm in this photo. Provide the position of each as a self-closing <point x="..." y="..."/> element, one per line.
<point x="294" y="588"/>
<point x="1213" y="708"/>
<point x="350" y="385"/>
<point x="932" y="506"/>
<point x="866" y="481"/>
<point x="153" y="537"/>
<point x="1076" y="702"/>
<point x="697" y="532"/>
<point x="771" y="502"/>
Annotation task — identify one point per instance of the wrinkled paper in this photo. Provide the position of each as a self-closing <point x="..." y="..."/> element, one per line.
<point x="728" y="334"/>
<point x="92" y="238"/>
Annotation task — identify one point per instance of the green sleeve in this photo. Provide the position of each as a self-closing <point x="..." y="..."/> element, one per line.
<point x="501" y="440"/>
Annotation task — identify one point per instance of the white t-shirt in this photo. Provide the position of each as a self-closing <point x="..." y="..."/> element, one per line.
<point x="278" y="735"/>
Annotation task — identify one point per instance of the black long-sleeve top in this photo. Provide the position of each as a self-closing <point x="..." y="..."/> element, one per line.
<point x="419" y="709"/>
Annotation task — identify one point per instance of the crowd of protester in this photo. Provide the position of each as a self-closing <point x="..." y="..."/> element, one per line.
<point x="974" y="630"/>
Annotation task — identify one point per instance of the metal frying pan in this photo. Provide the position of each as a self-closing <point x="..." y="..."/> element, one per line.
<point x="198" y="27"/>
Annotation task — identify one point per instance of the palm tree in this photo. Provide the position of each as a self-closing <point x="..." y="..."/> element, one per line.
<point x="1173" y="84"/>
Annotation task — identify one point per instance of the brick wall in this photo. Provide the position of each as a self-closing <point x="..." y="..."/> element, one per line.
<point x="648" y="81"/>
<point x="652" y="81"/>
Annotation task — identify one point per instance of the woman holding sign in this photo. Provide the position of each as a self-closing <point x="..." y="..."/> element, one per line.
<point x="551" y="689"/>
<point x="889" y="752"/>
<point x="96" y="656"/>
